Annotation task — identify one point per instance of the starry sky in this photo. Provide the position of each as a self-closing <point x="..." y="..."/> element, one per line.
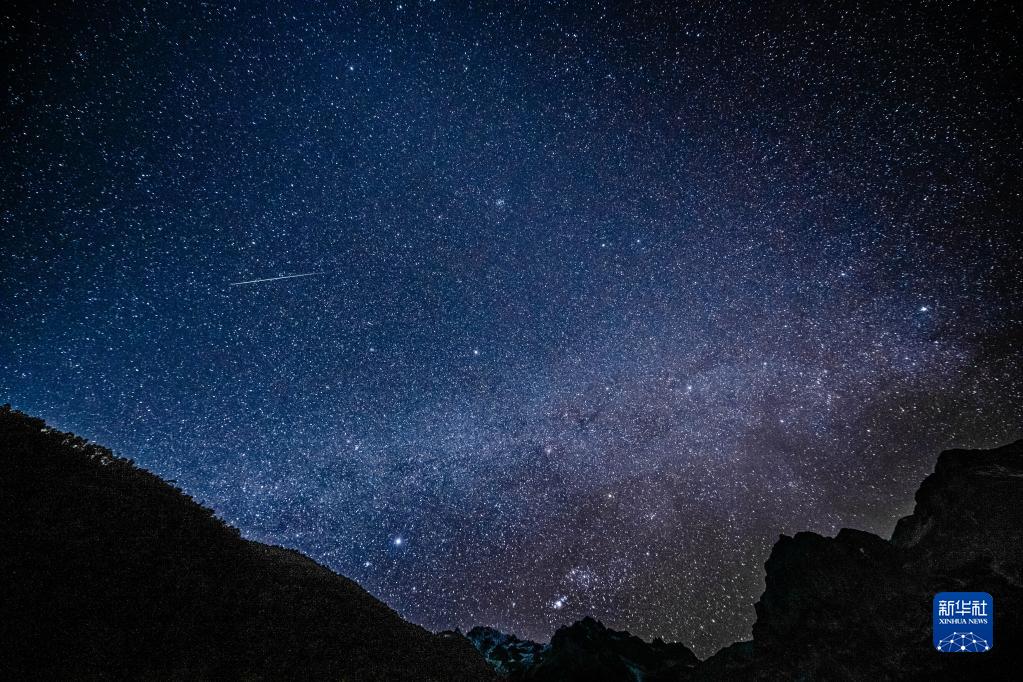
<point x="606" y="295"/>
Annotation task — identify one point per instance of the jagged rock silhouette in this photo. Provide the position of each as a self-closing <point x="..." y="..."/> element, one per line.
<point x="857" y="606"/>
<point x="111" y="573"/>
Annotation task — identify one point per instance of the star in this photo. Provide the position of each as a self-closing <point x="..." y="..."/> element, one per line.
<point x="608" y="250"/>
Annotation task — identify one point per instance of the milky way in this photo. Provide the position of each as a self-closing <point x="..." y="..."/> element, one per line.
<point x="608" y="296"/>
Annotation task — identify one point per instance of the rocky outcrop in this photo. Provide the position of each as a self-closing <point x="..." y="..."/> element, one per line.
<point x="108" y="572"/>
<point x="585" y="651"/>
<point x="855" y="606"/>
<point x="969" y="509"/>
<point x="508" y="654"/>
<point x="858" y="607"/>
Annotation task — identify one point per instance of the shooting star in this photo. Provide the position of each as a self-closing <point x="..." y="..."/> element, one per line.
<point x="274" y="279"/>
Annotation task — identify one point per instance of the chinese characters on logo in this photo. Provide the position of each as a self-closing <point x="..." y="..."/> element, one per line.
<point x="963" y="622"/>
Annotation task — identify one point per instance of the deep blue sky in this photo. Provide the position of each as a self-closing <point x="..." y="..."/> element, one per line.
<point x="610" y="296"/>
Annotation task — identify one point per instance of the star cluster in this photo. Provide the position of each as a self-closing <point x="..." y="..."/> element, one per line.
<point x="607" y="296"/>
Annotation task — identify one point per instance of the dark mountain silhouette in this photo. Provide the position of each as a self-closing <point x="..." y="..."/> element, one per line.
<point x="585" y="651"/>
<point x="858" y="607"/>
<point x="111" y="573"/>
<point x="108" y="572"/>
<point x="507" y="653"/>
<point x="852" y="607"/>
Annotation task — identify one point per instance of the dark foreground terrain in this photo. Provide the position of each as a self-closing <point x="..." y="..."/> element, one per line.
<point x="852" y="607"/>
<point x="109" y="572"/>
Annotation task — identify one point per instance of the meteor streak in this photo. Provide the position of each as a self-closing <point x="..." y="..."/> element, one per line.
<point x="274" y="279"/>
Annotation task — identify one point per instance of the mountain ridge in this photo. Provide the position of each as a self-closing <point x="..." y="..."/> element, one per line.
<point x="857" y="606"/>
<point x="116" y="574"/>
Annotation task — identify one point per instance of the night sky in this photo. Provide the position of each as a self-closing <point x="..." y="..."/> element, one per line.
<point x="606" y="296"/>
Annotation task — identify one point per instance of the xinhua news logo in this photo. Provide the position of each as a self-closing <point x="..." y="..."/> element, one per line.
<point x="964" y="622"/>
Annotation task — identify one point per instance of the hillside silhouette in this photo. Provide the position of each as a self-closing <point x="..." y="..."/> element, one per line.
<point x="111" y="573"/>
